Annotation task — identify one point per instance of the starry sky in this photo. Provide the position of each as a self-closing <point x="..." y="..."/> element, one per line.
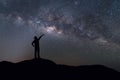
<point x="77" y="32"/>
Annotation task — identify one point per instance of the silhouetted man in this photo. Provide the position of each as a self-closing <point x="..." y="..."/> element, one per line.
<point x="35" y="44"/>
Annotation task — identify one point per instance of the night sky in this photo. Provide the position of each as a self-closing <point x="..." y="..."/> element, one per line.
<point x="77" y="32"/>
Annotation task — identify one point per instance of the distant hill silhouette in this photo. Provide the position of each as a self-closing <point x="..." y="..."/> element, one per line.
<point x="42" y="69"/>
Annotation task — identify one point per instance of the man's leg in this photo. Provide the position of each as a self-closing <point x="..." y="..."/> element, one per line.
<point x="35" y="54"/>
<point x="38" y="53"/>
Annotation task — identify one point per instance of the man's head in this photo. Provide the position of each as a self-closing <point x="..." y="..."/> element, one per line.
<point x="35" y="37"/>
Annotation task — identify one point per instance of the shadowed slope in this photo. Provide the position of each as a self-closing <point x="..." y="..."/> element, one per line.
<point x="44" y="69"/>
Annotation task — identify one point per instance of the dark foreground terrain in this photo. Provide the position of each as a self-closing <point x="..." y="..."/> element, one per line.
<point x="42" y="69"/>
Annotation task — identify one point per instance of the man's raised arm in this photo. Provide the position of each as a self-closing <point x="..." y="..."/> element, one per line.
<point x="41" y="36"/>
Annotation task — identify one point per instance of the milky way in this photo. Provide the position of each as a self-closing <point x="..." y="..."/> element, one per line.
<point x="87" y="30"/>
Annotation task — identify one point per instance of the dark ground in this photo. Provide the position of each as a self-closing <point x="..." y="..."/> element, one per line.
<point x="42" y="69"/>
